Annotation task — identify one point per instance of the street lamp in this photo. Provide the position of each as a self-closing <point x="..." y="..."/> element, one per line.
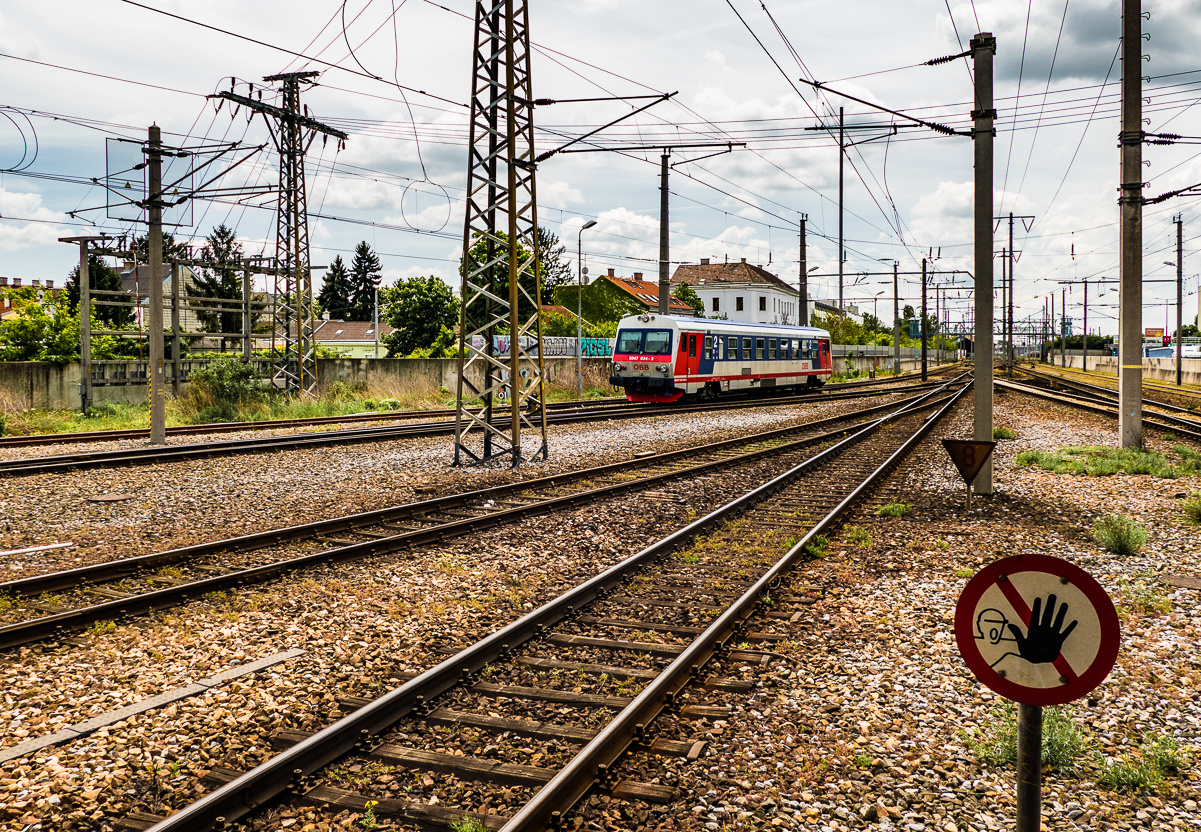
<point x="375" y="279"/>
<point x="579" y="309"/>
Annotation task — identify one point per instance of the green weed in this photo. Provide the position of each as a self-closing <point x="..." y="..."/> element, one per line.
<point x="1101" y="461"/>
<point x="857" y="536"/>
<point x="468" y="825"/>
<point x="997" y="742"/>
<point x="1119" y="535"/>
<point x="102" y="627"/>
<point x="964" y="573"/>
<point x="894" y="509"/>
<point x="1191" y="506"/>
<point x="1142" y="596"/>
<point x="818" y="546"/>
<point x="1003" y="433"/>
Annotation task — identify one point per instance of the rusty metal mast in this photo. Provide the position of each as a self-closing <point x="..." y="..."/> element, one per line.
<point x="295" y="368"/>
<point x="501" y="292"/>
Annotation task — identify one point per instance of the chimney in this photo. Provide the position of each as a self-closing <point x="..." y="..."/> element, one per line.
<point x="704" y="261"/>
<point x="16" y="281"/>
<point x="128" y="265"/>
<point x="36" y="282"/>
<point x="49" y="284"/>
<point x="3" y="281"/>
<point x="638" y="275"/>
<point x="611" y="273"/>
<point x="744" y="261"/>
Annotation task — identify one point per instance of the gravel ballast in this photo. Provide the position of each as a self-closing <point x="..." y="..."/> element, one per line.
<point x="864" y="722"/>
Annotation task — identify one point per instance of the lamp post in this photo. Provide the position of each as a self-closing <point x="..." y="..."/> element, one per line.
<point x="375" y="279"/>
<point x="579" y="309"/>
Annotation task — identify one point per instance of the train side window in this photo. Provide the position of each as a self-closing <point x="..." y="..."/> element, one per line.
<point x="708" y="348"/>
<point x="692" y="346"/>
<point x="747" y="354"/>
<point x="759" y="349"/>
<point x="771" y="347"/>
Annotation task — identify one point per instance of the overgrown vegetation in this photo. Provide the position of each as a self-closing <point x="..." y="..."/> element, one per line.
<point x="1142" y="596"/>
<point x="1191" y="506"/>
<point x="894" y="509"/>
<point x="1100" y="461"/>
<point x="818" y="546"/>
<point x="1003" y="433"/>
<point x="1143" y="770"/>
<point x="1119" y="535"/>
<point x="996" y="743"/>
<point x="857" y="536"/>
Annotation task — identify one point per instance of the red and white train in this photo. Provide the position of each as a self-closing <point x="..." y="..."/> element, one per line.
<point x="663" y="358"/>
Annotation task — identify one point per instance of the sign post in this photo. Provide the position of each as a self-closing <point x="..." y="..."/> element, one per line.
<point x="969" y="456"/>
<point x="1040" y="631"/>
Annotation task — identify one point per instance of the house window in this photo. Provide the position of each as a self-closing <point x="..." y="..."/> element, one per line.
<point x="716" y="305"/>
<point x="738" y="304"/>
<point x="762" y="304"/>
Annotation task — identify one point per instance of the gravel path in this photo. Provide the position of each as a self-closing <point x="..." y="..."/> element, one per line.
<point x="863" y="724"/>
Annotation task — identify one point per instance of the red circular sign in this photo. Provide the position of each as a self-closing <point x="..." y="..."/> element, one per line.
<point x="1037" y="629"/>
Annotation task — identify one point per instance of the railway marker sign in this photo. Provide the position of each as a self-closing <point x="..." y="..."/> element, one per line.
<point x="1040" y="631"/>
<point x="969" y="456"/>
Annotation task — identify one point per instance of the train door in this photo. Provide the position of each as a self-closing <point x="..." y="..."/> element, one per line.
<point x="694" y="353"/>
<point x="826" y="363"/>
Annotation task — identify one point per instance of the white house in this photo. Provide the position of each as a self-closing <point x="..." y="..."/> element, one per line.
<point x="741" y="292"/>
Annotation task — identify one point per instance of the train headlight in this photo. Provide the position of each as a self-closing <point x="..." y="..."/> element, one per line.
<point x="617" y="367"/>
<point x="662" y="368"/>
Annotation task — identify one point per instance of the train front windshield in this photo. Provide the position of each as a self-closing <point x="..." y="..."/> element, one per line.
<point x="644" y="342"/>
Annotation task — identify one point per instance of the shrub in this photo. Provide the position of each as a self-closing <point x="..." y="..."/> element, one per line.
<point x="226" y="380"/>
<point x="1142" y="596"/>
<point x="1003" y="433"/>
<point x="894" y="509"/>
<point x="1119" y="535"/>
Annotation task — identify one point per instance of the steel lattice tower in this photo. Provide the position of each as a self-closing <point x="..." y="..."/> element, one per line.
<point x="295" y="368"/>
<point x="501" y="293"/>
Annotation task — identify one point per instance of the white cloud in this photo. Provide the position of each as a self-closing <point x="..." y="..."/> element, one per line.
<point x="18" y="208"/>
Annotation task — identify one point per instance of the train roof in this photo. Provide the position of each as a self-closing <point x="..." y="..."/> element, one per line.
<point x="720" y="325"/>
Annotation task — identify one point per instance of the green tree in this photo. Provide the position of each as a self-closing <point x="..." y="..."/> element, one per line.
<point x="219" y="285"/>
<point x="418" y="310"/>
<point x="556" y="271"/>
<point x="46" y="331"/>
<point x="842" y="329"/>
<point x="171" y="249"/>
<point x="365" y="271"/>
<point x="104" y="278"/>
<point x="687" y="294"/>
<point x="335" y="293"/>
<point x="552" y="271"/>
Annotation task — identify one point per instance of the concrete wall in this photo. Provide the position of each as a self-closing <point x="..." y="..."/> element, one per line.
<point x="1158" y="369"/>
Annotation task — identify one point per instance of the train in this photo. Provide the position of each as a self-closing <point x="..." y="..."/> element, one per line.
<point x="668" y="358"/>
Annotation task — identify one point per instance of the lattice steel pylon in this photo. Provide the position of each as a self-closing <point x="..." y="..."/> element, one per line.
<point x="501" y="292"/>
<point x="295" y="368"/>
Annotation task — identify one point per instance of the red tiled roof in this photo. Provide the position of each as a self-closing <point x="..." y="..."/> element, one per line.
<point x="647" y="293"/>
<point x="348" y="331"/>
<point x="741" y="273"/>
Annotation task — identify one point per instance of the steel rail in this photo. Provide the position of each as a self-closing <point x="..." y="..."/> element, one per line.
<point x="578" y="776"/>
<point x="156" y="455"/>
<point x="128" y="567"/>
<point x="1102" y="391"/>
<point x="1161" y="421"/>
<point x="289" y="768"/>
<point x="37" y="629"/>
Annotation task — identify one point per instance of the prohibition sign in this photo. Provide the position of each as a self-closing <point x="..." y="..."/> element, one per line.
<point x="1037" y="629"/>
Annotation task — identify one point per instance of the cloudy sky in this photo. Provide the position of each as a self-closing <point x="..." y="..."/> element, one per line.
<point x="82" y="73"/>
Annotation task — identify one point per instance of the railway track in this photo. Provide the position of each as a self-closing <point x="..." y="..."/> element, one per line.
<point x="512" y="731"/>
<point x="63" y="602"/>
<point x="1106" y="405"/>
<point x="147" y="455"/>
